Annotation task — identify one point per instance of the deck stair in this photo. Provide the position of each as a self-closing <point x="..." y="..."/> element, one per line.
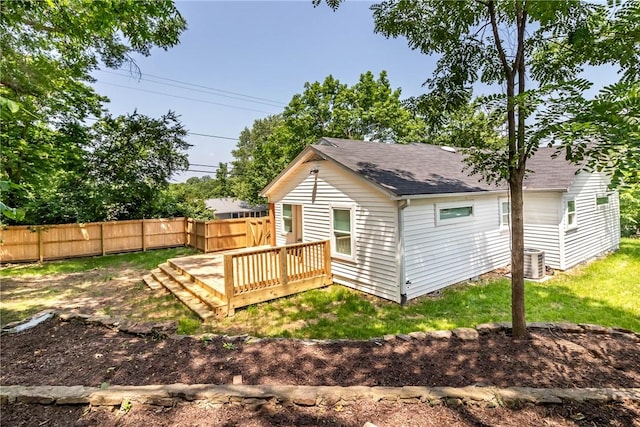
<point x="215" y="285"/>
<point x="197" y="296"/>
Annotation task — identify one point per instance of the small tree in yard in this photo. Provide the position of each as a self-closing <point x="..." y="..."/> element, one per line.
<point x="505" y="43"/>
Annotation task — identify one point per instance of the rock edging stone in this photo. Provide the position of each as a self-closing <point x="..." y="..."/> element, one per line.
<point x="168" y="329"/>
<point x="250" y="395"/>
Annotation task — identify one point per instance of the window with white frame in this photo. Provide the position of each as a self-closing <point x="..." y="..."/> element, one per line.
<point x="505" y="213"/>
<point x="451" y="213"/>
<point x="572" y="220"/>
<point x="342" y="232"/>
<point x="287" y="216"/>
<point x="602" y="200"/>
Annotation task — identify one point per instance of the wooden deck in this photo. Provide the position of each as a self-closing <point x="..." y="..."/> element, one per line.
<point x="214" y="285"/>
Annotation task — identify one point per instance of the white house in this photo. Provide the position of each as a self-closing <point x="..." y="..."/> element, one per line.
<point x="406" y="220"/>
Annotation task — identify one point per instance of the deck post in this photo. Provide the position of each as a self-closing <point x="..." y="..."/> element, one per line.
<point x="283" y="266"/>
<point x="272" y="220"/>
<point x="228" y="283"/>
<point x="327" y="260"/>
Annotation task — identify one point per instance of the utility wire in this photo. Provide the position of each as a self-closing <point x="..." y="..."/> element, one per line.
<point x="196" y="170"/>
<point x="208" y="92"/>
<point x="197" y="85"/>
<point x="206" y="166"/>
<point x="188" y="133"/>
<point x="186" y="97"/>
<point x="213" y="136"/>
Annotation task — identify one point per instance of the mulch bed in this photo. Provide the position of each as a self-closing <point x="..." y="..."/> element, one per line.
<point x="378" y="413"/>
<point x="75" y="353"/>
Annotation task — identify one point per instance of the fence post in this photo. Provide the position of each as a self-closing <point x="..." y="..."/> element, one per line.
<point x="283" y="266"/>
<point x="40" y="245"/>
<point x="206" y="236"/>
<point x="247" y="233"/>
<point x="185" y="224"/>
<point x="102" y="248"/>
<point x="144" y="245"/>
<point x="228" y="283"/>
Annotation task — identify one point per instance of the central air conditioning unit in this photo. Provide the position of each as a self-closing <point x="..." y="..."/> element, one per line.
<point x="533" y="264"/>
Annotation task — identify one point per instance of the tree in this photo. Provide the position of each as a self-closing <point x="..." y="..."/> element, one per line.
<point x="368" y="110"/>
<point x="503" y="43"/>
<point x="630" y="210"/>
<point x="122" y="174"/>
<point x="223" y="183"/>
<point x="465" y="126"/>
<point x="243" y="183"/>
<point x="48" y="50"/>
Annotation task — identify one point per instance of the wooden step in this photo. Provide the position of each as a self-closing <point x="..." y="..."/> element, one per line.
<point x="208" y="283"/>
<point x="152" y="282"/>
<point x="194" y="304"/>
<point x="212" y="301"/>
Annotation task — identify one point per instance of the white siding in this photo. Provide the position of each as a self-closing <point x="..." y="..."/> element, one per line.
<point x="542" y="215"/>
<point x="376" y="268"/>
<point x="440" y="255"/>
<point x="598" y="227"/>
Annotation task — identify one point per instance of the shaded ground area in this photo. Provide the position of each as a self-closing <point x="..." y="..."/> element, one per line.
<point x="74" y="353"/>
<point x="117" y="292"/>
<point x="380" y="414"/>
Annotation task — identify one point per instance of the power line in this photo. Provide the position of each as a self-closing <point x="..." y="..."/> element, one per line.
<point x="210" y="91"/>
<point x="188" y="133"/>
<point x="196" y="170"/>
<point x="213" y="136"/>
<point x="186" y="97"/>
<point x="206" y="166"/>
<point x="200" y="86"/>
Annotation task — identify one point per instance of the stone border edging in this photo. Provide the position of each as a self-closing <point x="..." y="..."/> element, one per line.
<point x="254" y="396"/>
<point x="168" y="329"/>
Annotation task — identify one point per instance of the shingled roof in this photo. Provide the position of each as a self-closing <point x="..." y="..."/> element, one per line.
<point x="416" y="169"/>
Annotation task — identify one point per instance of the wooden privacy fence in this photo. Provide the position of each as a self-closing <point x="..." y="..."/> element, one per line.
<point x="48" y="242"/>
<point x="227" y="234"/>
<point x="260" y="275"/>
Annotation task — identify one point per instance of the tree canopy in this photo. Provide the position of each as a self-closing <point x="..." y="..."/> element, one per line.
<point x="49" y="49"/>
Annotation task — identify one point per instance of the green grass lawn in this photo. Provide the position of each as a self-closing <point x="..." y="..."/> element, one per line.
<point x="605" y="292"/>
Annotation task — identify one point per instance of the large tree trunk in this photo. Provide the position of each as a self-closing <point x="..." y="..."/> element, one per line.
<point x="516" y="178"/>
<point x="517" y="256"/>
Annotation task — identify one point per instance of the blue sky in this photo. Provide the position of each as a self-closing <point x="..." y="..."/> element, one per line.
<point x="261" y="49"/>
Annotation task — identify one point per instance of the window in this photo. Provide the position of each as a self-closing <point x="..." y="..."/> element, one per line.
<point x="571" y="214"/>
<point x="602" y="200"/>
<point x="453" y="213"/>
<point x="287" y="226"/>
<point x="505" y="213"/>
<point x="342" y="237"/>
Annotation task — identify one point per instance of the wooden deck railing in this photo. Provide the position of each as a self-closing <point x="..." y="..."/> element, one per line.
<point x="264" y="274"/>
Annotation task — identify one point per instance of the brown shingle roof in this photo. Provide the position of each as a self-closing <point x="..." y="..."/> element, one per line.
<point x="415" y="169"/>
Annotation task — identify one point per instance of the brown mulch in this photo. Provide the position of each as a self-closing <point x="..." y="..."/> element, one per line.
<point x="378" y="413"/>
<point x="74" y="353"/>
